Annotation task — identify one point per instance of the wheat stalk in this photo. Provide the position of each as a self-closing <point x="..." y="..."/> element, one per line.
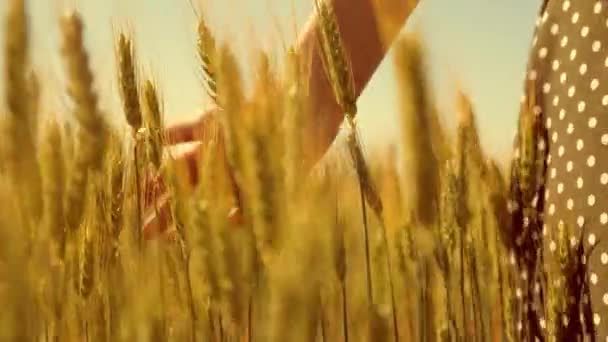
<point x="340" y="77"/>
<point x="154" y="122"/>
<point x="420" y="159"/>
<point x="128" y="85"/>
<point x="20" y="99"/>
<point x="91" y="131"/>
<point x="53" y="171"/>
<point x="127" y="81"/>
<point x="207" y="54"/>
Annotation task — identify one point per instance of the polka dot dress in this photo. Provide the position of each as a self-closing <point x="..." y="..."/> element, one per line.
<point x="567" y="93"/>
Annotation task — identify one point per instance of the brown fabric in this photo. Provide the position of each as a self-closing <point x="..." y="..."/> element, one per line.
<point x="567" y="192"/>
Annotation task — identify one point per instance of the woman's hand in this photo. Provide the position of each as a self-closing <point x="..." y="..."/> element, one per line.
<point x="206" y="129"/>
<point x="367" y="27"/>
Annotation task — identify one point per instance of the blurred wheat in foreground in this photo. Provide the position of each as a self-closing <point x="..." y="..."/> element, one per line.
<point x="361" y="252"/>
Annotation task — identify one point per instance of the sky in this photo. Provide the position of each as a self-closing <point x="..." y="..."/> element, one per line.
<point x="481" y="45"/>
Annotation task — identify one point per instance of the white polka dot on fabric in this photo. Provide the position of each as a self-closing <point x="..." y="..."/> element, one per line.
<point x="592" y="122"/>
<point x="605" y="297"/>
<point x="583" y="69"/>
<point x="572" y="54"/>
<point x="561" y="150"/>
<point x="605" y="139"/>
<point x="605" y="100"/>
<point x="566" y="5"/>
<point x="593" y="278"/>
<point x="591" y="200"/>
<point x="563" y="77"/>
<point x="542" y="53"/>
<point x="579" y="144"/>
<point x="581" y="106"/>
<point x="562" y="114"/>
<point x="554" y="137"/>
<point x="554" y="29"/>
<point x="552" y="246"/>
<point x="555" y="65"/>
<point x="555" y="100"/>
<point x="546" y="87"/>
<point x="570" y="203"/>
<point x="532" y="75"/>
<point x="604" y="258"/>
<point x="570" y="128"/>
<point x="571" y="91"/>
<point x="575" y="17"/>
<point x="585" y="31"/>
<point x="604" y="178"/>
<point x="594" y="84"/>
<point x="553" y="172"/>
<point x="551" y="209"/>
<point x="560" y="188"/>
<point x="604" y="218"/>
<point x="573" y="241"/>
<point x="569" y="166"/>
<point x="591" y="161"/>
<point x="548" y="123"/>
<point x="596" y="319"/>
<point x="541" y="145"/>
<point x="606" y="62"/>
<point x="597" y="8"/>
<point x="579" y="182"/>
<point x="580" y="221"/>
<point x="596" y="46"/>
<point x="591" y="239"/>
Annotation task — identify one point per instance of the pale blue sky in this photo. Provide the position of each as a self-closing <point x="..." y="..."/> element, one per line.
<point x="480" y="43"/>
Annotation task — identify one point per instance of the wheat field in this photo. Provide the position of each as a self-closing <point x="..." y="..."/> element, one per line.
<point x="365" y="247"/>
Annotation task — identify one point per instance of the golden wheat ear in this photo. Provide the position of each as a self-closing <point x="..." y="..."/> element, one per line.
<point x="127" y="81"/>
<point x="154" y="123"/>
<point x="91" y="133"/>
<point x="207" y="53"/>
<point x="21" y="98"/>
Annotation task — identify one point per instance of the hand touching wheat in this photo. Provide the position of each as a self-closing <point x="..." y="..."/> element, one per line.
<point x="367" y="27"/>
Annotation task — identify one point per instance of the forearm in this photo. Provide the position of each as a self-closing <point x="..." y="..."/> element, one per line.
<point x="367" y="28"/>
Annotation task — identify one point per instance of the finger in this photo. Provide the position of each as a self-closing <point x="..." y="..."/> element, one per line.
<point x="157" y="219"/>
<point x="154" y="187"/>
<point x="182" y="133"/>
<point x="235" y="216"/>
<point x="187" y="163"/>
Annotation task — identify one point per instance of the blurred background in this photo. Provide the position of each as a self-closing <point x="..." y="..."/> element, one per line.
<point x="479" y="45"/>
